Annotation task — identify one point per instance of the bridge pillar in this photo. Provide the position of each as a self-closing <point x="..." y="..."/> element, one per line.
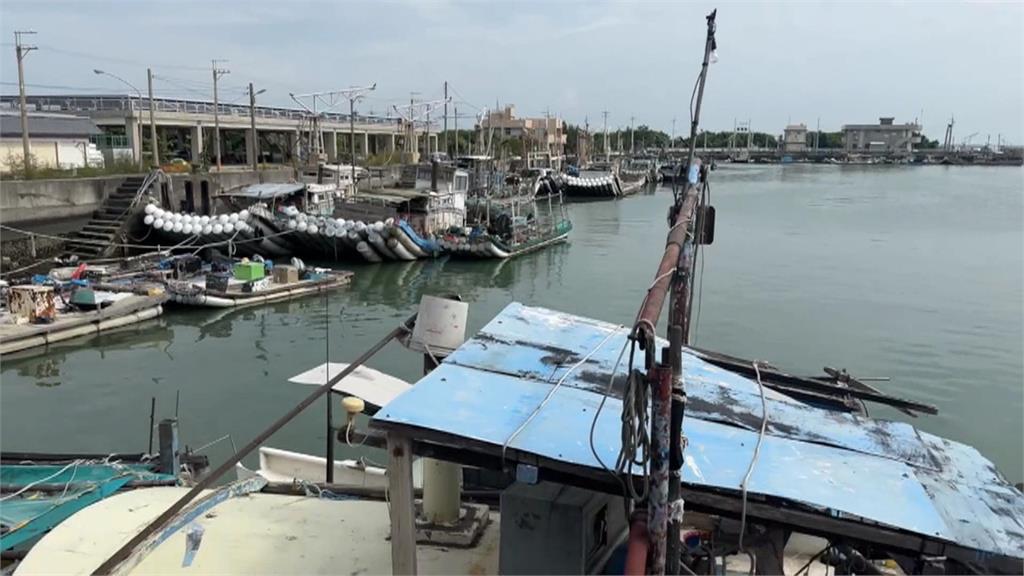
<point x="133" y="129"/>
<point x="389" y="143"/>
<point x="293" y="145"/>
<point x="365" y="151"/>
<point x="331" y="146"/>
<point x="250" y="148"/>
<point x="196" y="149"/>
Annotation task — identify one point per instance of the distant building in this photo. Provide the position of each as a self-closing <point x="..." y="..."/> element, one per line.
<point x="55" y="141"/>
<point x="794" y="139"/>
<point x="541" y="132"/>
<point x="882" y="137"/>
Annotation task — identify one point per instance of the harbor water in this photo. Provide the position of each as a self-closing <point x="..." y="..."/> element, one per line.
<point x="913" y="273"/>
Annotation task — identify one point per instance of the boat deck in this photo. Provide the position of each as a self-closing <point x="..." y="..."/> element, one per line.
<point x="253" y="534"/>
<point x="526" y="389"/>
<point x="126" y="309"/>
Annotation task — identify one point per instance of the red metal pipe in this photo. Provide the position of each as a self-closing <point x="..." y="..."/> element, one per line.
<point x="636" y="548"/>
<point x="647" y="320"/>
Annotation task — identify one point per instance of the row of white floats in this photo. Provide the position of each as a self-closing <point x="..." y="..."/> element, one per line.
<point x="374" y="241"/>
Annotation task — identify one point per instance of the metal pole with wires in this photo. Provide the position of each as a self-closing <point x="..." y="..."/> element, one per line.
<point x="663" y="380"/>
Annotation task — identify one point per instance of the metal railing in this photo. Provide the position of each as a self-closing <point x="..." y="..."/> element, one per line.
<point x="121" y="103"/>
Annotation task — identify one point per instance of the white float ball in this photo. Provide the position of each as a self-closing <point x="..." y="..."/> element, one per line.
<point x="177" y="227"/>
<point x="148" y="220"/>
<point x="207" y="229"/>
<point x="341" y="221"/>
<point x="168" y="225"/>
<point x="187" y="229"/>
<point x="204" y="220"/>
<point x="301" y="227"/>
<point x="218" y="228"/>
<point x="312" y="229"/>
<point x="243" y="215"/>
<point x="158" y="223"/>
<point x="223" y="219"/>
<point x="159" y="212"/>
<point x="229" y="228"/>
<point x="150" y="208"/>
<point x="292" y="224"/>
<point x="233" y="217"/>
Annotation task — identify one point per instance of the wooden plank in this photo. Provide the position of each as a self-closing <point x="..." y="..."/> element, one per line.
<point x="403" y="512"/>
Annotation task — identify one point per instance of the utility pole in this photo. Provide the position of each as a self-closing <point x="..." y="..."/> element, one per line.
<point x="446" y="117"/>
<point x="22" y="51"/>
<point x="817" y="135"/>
<point x="354" y="95"/>
<point x="632" y="134"/>
<point x="456" y="132"/>
<point x="606" y="150"/>
<point x="252" y="127"/>
<point x="152" y="121"/>
<point x="217" y="73"/>
<point x="672" y="141"/>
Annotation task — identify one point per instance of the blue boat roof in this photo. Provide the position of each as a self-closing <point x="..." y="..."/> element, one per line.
<point x="844" y="465"/>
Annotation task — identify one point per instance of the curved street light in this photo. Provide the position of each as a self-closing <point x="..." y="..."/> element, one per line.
<point x="137" y="93"/>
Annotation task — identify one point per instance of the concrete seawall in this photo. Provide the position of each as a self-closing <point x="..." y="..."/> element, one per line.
<point x="42" y="205"/>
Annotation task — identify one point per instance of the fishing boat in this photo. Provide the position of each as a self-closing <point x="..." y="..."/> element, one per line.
<point x="34" y="316"/>
<point x="247" y="284"/>
<point x="406" y="220"/>
<point x="512" y="221"/>
<point x="599" y="181"/>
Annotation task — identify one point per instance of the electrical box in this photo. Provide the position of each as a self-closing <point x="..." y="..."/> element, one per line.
<point x="550" y="528"/>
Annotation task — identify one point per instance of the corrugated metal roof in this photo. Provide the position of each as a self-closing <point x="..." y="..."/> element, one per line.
<point x="48" y="126"/>
<point x="876" y="470"/>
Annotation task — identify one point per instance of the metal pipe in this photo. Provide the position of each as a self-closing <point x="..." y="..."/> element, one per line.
<point x="660" y="377"/>
<point x="675" y="476"/>
<point x="124" y="551"/>
<point x="647" y="320"/>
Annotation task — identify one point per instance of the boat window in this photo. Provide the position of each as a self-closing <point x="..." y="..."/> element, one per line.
<point x="461" y="182"/>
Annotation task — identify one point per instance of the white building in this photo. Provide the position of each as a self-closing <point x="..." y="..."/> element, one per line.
<point x="55" y="141"/>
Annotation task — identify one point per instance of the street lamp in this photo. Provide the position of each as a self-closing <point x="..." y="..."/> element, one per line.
<point x="137" y="93"/>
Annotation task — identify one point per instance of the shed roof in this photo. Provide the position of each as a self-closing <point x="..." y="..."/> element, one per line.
<point x="48" y="126"/>
<point x="527" y="388"/>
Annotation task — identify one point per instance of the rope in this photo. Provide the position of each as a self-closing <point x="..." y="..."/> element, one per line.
<point x="147" y="246"/>
<point x="551" y="392"/>
<point x="757" y="453"/>
<point x="41" y="480"/>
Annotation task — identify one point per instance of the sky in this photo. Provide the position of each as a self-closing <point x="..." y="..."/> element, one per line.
<point x="778" y="62"/>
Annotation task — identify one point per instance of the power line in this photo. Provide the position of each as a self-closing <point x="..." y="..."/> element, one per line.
<point x="78" y="54"/>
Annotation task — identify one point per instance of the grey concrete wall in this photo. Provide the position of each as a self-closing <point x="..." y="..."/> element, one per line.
<point x="25" y="201"/>
<point x="223" y="182"/>
<point x="30" y="204"/>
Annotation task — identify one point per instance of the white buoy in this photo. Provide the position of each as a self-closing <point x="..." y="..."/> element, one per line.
<point x="207" y="229"/>
<point x="233" y="217"/>
<point x="223" y="219"/>
<point x="178" y="226"/>
<point x="341" y="221"/>
<point x="301" y="226"/>
<point x="292" y="224"/>
<point x="218" y="228"/>
<point x="159" y="213"/>
<point x="204" y="220"/>
<point x="187" y="229"/>
<point x="168" y="225"/>
<point x="148" y="220"/>
<point x="158" y="223"/>
<point x="243" y="215"/>
<point x="312" y="229"/>
<point x="229" y="228"/>
<point x="150" y="208"/>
